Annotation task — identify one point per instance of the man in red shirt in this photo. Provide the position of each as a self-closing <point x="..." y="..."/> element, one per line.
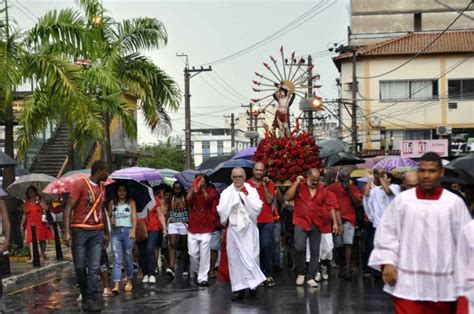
<point x="347" y="195"/>
<point x="202" y="202"/>
<point x="86" y="228"/>
<point x="266" y="191"/>
<point x="311" y="199"/>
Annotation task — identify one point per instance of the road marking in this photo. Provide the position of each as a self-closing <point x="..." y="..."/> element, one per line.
<point x="31" y="286"/>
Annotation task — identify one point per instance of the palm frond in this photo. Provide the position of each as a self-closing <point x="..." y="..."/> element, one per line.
<point x="141" y="34"/>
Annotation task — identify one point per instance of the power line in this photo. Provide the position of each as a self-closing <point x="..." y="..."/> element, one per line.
<point x="231" y="87"/>
<point x="285" y="29"/>
<point x="228" y="88"/>
<point x="27" y="9"/>
<point x="218" y="91"/>
<point x="21" y="10"/>
<point x="422" y="50"/>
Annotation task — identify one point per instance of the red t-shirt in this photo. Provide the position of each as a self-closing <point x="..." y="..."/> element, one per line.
<point x="313" y="210"/>
<point x="266" y="215"/>
<point x="346" y="207"/>
<point x="85" y="199"/>
<point x="152" y="221"/>
<point x="202" y="212"/>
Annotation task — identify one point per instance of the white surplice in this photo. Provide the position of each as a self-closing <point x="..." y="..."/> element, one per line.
<point x="420" y="237"/>
<point x="464" y="271"/>
<point x="243" y="248"/>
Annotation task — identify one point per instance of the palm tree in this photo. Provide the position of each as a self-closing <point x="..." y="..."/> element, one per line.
<point x="39" y="55"/>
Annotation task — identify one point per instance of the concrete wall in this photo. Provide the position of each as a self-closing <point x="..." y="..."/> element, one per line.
<point x="406" y="115"/>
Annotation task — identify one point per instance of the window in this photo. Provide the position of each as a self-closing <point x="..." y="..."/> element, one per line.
<point x="206" y="149"/>
<point x="452" y="105"/>
<point x="417" y="22"/>
<point x="220" y="148"/>
<point x="408" y="90"/>
<point x="461" y="89"/>
<point x="417" y="135"/>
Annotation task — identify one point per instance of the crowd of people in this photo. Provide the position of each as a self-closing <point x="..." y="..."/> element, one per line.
<point x="321" y="222"/>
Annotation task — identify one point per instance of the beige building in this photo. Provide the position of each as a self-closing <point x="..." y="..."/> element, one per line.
<point x="401" y="96"/>
<point x="376" y="20"/>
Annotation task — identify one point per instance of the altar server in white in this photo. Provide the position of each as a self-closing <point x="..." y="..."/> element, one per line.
<point x="464" y="272"/>
<point x="416" y="242"/>
<point x="240" y="205"/>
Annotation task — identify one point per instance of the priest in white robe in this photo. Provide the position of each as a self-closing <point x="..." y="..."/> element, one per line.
<point x="239" y="206"/>
<point x="416" y="242"/>
<point x="464" y="271"/>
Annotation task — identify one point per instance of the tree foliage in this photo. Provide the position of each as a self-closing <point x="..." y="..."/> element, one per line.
<point x="163" y="156"/>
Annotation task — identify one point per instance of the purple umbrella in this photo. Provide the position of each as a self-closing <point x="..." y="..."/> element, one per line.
<point x="390" y="163"/>
<point x="138" y="173"/>
<point x="369" y="163"/>
<point x="247" y="153"/>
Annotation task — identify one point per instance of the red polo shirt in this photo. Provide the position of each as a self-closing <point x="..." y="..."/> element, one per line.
<point x="266" y="215"/>
<point x="313" y="210"/>
<point x="346" y="208"/>
<point x="85" y="199"/>
<point x="202" y="212"/>
<point x="152" y="222"/>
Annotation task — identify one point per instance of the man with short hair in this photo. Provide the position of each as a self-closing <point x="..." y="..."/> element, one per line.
<point x="410" y="180"/>
<point x="239" y="206"/>
<point x="416" y="241"/>
<point x="266" y="191"/>
<point x="311" y="200"/>
<point x="84" y="223"/>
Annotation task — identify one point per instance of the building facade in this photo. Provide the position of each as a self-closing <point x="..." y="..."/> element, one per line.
<point x="400" y="96"/>
<point x="207" y="143"/>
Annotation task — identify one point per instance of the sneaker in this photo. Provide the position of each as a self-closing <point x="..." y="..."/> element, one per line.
<point x="312" y="283"/>
<point x="185" y="274"/>
<point x="152" y="279"/>
<point x="324" y="272"/>
<point x="146" y="279"/>
<point x="270" y="283"/>
<point x="318" y="277"/>
<point x="79" y="298"/>
<point x="170" y="272"/>
<point x="300" y="280"/>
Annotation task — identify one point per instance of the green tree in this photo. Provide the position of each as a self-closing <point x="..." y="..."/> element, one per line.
<point x="163" y="156"/>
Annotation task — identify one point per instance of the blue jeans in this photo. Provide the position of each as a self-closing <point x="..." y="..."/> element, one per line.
<point x="86" y="251"/>
<point x="266" y="248"/>
<point x="153" y="242"/>
<point x="276" y="244"/>
<point x="122" y="247"/>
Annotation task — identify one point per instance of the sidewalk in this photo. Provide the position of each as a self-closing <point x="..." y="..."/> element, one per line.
<point x="24" y="274"/>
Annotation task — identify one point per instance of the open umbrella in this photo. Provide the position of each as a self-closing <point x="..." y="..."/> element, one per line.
<point x="465" y="163"/>
<point x="83" y="171"/>
<point x="212" y="162"/>
<point x="369" y="163"/>
<point x="343" y="159"/>
<point x="330" y="147"/>
<point x="223" y="171"/>
<point x="65" y="184"/>
<point x="38" y="180"/>
<point x="139" y="192"/>
<point x="459" y="176"/>
<point x="186" y="177"/>
<point x="138" y="173"/>
<point x="247" y="153"/>
<point x="168" y="175"/>
<point x="390" y="163"/>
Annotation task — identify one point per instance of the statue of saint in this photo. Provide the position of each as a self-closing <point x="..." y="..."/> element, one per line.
<point x="284" y="98"/>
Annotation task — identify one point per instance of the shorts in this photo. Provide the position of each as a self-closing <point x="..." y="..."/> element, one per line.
<point x="215" y="243"/>
<point x="180" y="228"/>
<point x="104" y="261"/>
<point x="348" y="237"/>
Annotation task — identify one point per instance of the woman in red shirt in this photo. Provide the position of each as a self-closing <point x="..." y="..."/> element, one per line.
<point x="34" y="208"/>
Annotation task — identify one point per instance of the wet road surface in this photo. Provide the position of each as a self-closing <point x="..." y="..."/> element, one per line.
<point x="58" y="294"/>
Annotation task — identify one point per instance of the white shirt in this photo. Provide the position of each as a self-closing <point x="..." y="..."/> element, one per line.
<point x="420" y="238"/>
<point x="464" y="272"/>
<point x="378" y="201"/>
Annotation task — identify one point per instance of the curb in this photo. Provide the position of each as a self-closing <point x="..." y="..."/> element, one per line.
<point x="33" y="276"/>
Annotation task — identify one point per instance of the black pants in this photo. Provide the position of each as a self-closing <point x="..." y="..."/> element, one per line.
<point x="314" y="236"/>
<point x="368" y="243"/>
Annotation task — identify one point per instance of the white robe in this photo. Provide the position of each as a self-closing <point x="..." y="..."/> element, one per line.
<point x="243" y="248"/>
<point x="464" y="271"/>
<point x="420" y="237"/>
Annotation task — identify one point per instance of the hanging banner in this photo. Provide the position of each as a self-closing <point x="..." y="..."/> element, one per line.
<point x="416" y="148"/>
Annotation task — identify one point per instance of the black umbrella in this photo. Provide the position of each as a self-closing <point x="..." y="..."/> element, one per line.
<point x="343" y="159"/>
<point x="330" y="147"/>
<point x="212" y="162"/>
<point x="464" y="163"/>
<point x="223" y="171"/>
<point x="459" y="176"/>
<point x="139" y="192"/>
<point x="6" y="161"/>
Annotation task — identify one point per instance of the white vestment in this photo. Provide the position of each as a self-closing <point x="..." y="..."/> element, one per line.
<point x="420" y="237"/>
<point x="243" y="247"/>
<point x="464" y="271"/>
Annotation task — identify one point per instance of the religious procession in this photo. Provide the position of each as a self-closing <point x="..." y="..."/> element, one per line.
<point x="254" y="191"/>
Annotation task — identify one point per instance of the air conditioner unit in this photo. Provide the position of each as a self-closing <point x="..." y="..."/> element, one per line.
<point x="444" y="130"/>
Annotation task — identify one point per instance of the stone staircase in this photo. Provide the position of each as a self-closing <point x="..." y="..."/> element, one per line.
<point x="53" y="153"/>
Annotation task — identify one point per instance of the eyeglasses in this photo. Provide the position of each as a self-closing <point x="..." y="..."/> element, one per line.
<point x="237" y="177"/>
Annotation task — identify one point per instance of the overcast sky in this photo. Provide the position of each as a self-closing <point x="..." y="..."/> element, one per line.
<point x="211" y="30"/>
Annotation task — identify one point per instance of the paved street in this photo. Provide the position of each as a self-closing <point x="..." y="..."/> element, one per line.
<point x="58" y="294"/>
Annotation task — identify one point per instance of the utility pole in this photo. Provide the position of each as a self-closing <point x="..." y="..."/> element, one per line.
<point x="187" y="105"/>
<point x="310" y="93"/>
<point x="232" y="132"/>
<point x="354" y="101"/>
<point x="250" y="121"/>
